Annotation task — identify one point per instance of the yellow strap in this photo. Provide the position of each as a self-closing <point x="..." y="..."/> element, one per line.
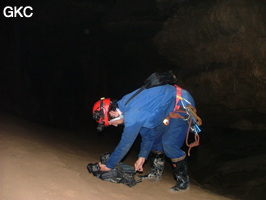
<point x="179" y="97"/>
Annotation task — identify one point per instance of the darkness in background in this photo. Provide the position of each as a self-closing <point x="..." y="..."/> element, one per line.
<point x="56" y="64"/>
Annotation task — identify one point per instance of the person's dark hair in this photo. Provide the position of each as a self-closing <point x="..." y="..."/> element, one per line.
<point x="113" y="105"/>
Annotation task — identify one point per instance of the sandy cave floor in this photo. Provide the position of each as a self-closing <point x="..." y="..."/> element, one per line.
<point x="41" y="163"/>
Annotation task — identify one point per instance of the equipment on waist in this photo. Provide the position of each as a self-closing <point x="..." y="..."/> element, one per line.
<point x="187" y="113"/>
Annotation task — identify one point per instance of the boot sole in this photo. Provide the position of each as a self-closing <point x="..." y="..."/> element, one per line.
<point x="178" y="190"/>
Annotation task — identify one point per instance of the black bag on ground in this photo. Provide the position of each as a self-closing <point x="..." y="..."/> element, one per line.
<point x="122" y="173"/>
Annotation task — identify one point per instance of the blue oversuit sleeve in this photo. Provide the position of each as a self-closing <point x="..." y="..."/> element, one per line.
<point x="128" y="137"/>
<point x="147" y="140"/>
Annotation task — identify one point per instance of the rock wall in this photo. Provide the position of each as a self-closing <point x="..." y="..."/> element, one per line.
<point x="221" y="47"/>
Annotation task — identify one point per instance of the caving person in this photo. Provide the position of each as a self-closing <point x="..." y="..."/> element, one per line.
<point x="150" y="111"/>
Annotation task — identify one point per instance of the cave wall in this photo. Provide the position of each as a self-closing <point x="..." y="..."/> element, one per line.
<point x="221" y="46"/>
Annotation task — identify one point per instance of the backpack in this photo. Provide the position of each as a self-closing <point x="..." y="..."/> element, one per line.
<point x="156" y="79"/>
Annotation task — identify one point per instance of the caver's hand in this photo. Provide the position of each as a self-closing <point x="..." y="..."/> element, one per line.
<point x="103" y="167"/>
<point x="139" y="164"/>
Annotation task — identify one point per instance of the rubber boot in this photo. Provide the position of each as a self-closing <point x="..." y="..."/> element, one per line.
<point x="181" y="175"/>
<point x="157" y="167"/>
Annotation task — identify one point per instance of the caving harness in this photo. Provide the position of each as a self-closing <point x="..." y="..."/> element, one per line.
<point x="194" y="121"/>
<point x="189" y="112"/>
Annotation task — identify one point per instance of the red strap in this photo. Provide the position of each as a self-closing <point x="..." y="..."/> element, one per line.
<point x="197" y="137"/>
<point x="178" y="94"/>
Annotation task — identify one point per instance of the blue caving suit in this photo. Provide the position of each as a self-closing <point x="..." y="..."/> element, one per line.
<point x="144" y="114"/>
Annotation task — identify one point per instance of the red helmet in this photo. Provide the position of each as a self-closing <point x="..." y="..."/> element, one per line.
<point x="100" y="111"/>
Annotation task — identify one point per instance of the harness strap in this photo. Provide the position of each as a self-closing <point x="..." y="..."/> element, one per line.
<point x="175" y="114"/>
<point x="178" y="95"/>
<point x="176" y="108"/>
<point x="135" y="94"/>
